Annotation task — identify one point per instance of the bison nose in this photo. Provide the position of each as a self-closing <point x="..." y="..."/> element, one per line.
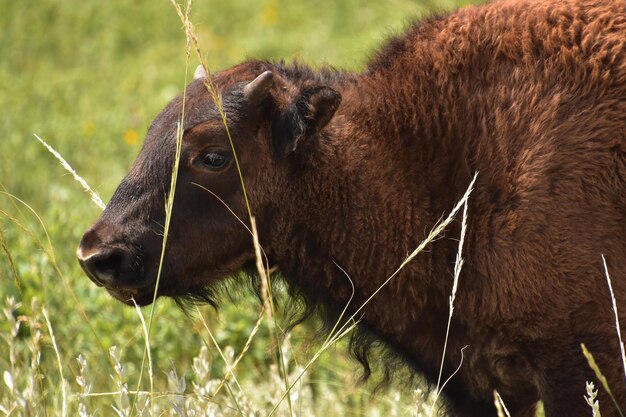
<point x="106" y="266"/>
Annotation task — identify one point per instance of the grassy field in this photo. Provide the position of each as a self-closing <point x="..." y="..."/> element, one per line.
<point x="88" y="77"/>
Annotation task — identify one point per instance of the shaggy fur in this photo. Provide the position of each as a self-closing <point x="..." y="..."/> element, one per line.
<point x="351" y="171"/>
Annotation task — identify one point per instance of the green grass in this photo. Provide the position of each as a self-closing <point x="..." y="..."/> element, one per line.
<point x="88" y="77"/>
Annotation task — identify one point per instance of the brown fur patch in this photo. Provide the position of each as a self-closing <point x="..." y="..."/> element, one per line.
<point x="531" y="95"/>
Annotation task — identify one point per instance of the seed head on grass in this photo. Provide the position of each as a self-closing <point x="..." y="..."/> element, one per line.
<point x="94" y="196"/>
<point x="176" y="389"/>
<point x="594" y="365"/>
<point x="590" y="398"/>
<point x="123" y="408"/>
<point x="82" y="379"/>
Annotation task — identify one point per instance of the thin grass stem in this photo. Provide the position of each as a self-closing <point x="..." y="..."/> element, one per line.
<point x="246" y="346"/>
<point x="169" y="205"/>
<point x="456" y="371"/>
<point x="94" y="196"/>
<point x="266" y="295"/>
<point x="148" y="350"/>
<point x="500" y="406"/>
<point x="436" y="231"/>
<point x="215" y="94"/>
<point x="310" y="363"/>
<point x="458" y="265"/>
<point x="60" y="363"/>
<point x="617" y="326"/>
<point x="7" y="252"/>
<point x="345" y="328"/>
<point x="229" y="370"/>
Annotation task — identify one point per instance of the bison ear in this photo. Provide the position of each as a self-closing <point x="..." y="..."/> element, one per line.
<point x="306" y="116"/>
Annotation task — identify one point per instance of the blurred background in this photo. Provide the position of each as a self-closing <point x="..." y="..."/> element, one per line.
<point x="88" y="77"/>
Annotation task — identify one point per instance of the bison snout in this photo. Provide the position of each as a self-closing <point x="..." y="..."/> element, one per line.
<point x="106" y="265"/>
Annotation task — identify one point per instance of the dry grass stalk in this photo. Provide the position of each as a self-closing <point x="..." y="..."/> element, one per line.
<point x="500" y="407"/>
<point x="617" y="327"/>
<point x="94" y="196"/>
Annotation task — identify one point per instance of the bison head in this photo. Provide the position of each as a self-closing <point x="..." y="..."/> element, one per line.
<point x="269" y="114"/>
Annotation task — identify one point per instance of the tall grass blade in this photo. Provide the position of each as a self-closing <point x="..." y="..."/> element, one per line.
<point x="229" y="372"/>
<point x="617" y="327"/>
<point x="500" y="407"/>
<point x="212" y="90"/>
<point x="245" y="349"/>
<point x="457" y="273"/>
<point x="60" y="363"/>
<point x="169" y="205"/>
<point x="266" y="295"/>
<point x="317" y="354"/>
<point x="94" y="196"/>
<point x="229" y="368"/>
<point x="7" y="252"/>
<point x="148" y="350"/>
<point x="456" y="371"/>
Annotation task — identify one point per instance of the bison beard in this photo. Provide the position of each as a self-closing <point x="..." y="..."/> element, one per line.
<point x="353" y="170"/>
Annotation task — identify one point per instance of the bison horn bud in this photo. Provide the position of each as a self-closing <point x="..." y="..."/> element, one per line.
<point x="199" y="73"/>
<point x="258" y="88"/>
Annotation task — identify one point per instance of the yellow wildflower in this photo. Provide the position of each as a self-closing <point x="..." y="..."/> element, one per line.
<point x="131" y="136"/>
<point x="89" y="128"/>
<point x="269" y="16"/>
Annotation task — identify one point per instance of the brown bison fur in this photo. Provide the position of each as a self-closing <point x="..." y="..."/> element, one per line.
<point x="351" y="171"/>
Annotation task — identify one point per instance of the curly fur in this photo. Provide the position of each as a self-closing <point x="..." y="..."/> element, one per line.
<point x="346" y="174"/>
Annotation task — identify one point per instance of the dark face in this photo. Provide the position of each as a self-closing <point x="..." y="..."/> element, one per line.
<point x="208" y="236"/>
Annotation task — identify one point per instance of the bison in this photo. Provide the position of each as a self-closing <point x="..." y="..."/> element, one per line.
<point x="346" y="173"/>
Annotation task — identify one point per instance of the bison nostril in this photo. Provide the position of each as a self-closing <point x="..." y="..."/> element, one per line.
<point x="107" y="267"/>
<point x="107" y="264"/>
<point x="108" y="259"/>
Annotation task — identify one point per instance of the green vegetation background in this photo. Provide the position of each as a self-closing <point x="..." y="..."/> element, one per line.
<point x="88" y="76"/>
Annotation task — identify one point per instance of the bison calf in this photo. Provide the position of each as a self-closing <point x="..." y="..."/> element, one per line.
<point x="349" y="171"/>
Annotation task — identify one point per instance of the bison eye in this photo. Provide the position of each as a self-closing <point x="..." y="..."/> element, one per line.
<point x="214" y="159"/>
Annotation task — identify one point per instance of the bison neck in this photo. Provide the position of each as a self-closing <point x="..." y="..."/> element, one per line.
<point x="366" y="194"/>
